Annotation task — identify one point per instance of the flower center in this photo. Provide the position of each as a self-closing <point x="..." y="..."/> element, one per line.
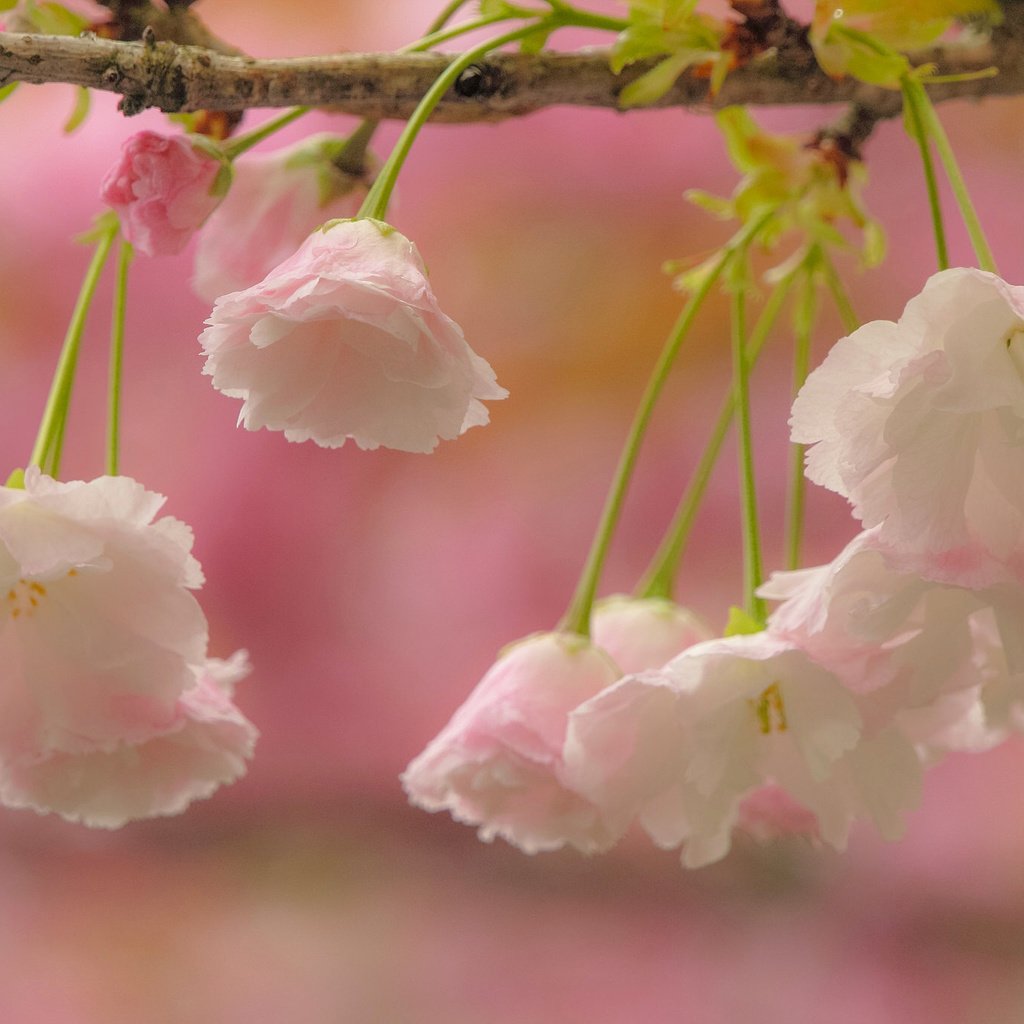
<point x="23" y="598"/>
<point x="769" y="710"/>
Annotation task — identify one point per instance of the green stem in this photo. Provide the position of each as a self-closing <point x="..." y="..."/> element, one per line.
<point x="351" y="157"/>
<point x="124" y="259"/>
<point x="752" y="570"/>
<point x="804" y="318"/>
<point x="237" y="146"/>
<point x="375" y="205"/>
<point x="839" y="296"/>
<point x="660" y="577"/>
<point x="915" y="124"/>
<point x="587" y="19"/>
<point x="577" y="616"/>
<point x="446" y="15"/>
<point x="982" y="252"/>
<point x="434" y="38"/>
<point x="50" y="438"/>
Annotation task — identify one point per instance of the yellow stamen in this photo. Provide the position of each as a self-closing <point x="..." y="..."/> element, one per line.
<point x="769" y="710"/>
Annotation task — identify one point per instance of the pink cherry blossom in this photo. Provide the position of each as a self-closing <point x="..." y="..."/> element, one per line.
<point x="104" y="648"/>
<point x="163" y="187"/>
<point x="345" y="340"/>
<point x="498" y="762"/>
<point x="684" y="749"/>
<point x="919" y="424"/>
<point x="275" y="201"/>
<point x="644" y="633"/>
<point x="921" y="655"/>
<point x="205" y="745"/>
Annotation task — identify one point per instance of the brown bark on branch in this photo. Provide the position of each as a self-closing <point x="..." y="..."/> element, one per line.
<point x="175" y="78"/>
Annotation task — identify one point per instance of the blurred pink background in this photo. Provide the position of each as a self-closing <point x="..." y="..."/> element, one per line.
<point x="373" y="589"/>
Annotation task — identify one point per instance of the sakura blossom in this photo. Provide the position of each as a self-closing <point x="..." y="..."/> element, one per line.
<point x="919" y="424"/>
<point x="205" y="745"/>
<point x="685" y="748"/>
<point x="275" y="201"/>
<point x="345" y="339"/>
<point x="163" y="187"/>
<point x="105" y="651"/>
<point x="498" y="763"/>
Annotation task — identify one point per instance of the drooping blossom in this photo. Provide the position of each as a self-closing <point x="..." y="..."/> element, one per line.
<point x="918" y="653"/>
<point x="206" y="745"/>
<point x="345" y="339"/>
<point x="920" y="424"/>
<point x="683" y="748"/>
<point x="644" y="633"/>
<point x="275" y="201"/>
<point x="163" y="187"/>
<point x="498" y="763"/>
<point x="103" y="643"/>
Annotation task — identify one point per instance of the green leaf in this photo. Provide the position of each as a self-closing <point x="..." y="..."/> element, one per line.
<point x="55" y="19"/>
<point x="741" y="623"/>
<point x="6" y="5"/>
<point x="83" y="98"/>
<point x="536" y="42"/>
<point x="653" y="84"/>
<point x="6" y="90"/>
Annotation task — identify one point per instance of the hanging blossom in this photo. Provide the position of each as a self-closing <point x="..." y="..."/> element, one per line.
<point x="345" y="339"/>
<point x="920" y="424"/>
<point x="205" y="745"/>
<point x="109" y="707"/>
<point x="945" y="663"/>
<point x="746" y="730"/>
<point x="275" y="201"/>
<point x="163" y="187"/>
<point x="498" y="763"/>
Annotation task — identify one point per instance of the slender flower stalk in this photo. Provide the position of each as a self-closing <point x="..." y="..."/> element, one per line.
<point x="839" y="294"/>
<point x="375" y="205"/>
<point x="915" y="121"/>
<point x="577" y="616"/>
<point x="752" y="566"/>
<point x="240" y="144"/>
<point x="124" y="259"/>
<point x="660" y="577"/>
<point x="46" y="451"/>
<point x="933" y="124"/>
<point x="447" y="13"/>
<point x="804" y="317"/>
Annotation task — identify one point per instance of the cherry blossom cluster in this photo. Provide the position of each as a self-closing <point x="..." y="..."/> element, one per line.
<point x="905" y="647"/>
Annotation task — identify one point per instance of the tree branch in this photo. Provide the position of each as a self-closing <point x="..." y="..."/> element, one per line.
<point x="176" y="78"/>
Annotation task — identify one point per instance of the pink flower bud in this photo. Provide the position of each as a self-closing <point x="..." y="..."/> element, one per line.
<point x="162" y="188"/>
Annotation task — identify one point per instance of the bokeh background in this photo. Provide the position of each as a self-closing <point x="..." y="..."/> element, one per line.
<point x="373" y="589"/>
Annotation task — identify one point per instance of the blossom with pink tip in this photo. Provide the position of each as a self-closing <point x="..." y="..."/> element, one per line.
<point x="163" y="187"/>
<point x="275" y="201"/>
<point x="642" y="633"/>
<point x="206" y="745"/>
<point x="345" y="339"/>
<point x="919" y="424"/>
<point x="498" y="763"/>
<point x="683" y="749"/>
<point x="104" y="648"/>
<point x="917" y="653"/>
